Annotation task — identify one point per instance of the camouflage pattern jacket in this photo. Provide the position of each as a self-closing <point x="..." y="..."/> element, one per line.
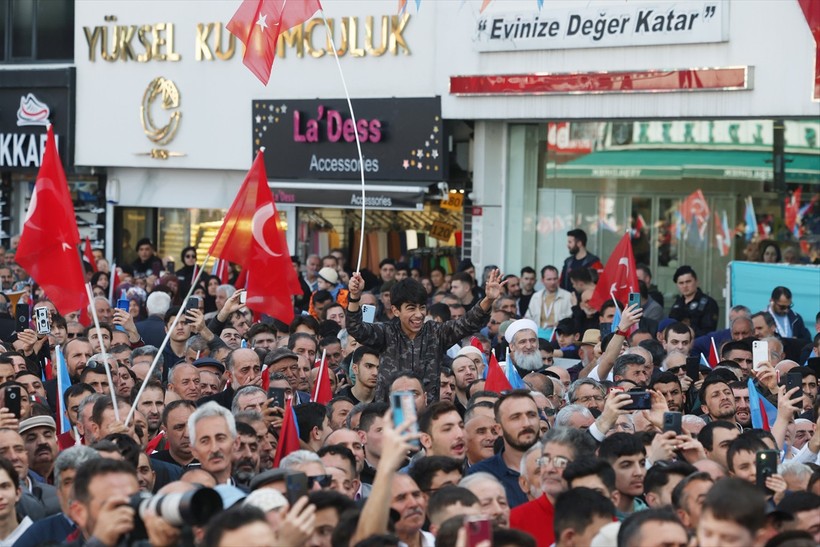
<point x="422" y="356"/>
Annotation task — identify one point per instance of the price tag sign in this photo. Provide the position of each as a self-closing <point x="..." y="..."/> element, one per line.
<point x="442" y="231"/>
<point x="454" y="201"/>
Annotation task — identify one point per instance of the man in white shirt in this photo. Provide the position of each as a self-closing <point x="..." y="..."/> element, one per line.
<point x="551" y="304"/>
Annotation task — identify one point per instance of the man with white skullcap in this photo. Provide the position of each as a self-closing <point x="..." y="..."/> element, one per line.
<point x="522" y="336"/>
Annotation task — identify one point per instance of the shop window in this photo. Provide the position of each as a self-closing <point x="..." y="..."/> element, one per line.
<point x="36" y="30"/>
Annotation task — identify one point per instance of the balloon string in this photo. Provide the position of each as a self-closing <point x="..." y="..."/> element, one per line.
<point x="355" y="133"/>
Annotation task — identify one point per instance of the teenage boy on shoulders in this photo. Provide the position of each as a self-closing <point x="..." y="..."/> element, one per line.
<point x="411" y="344"/>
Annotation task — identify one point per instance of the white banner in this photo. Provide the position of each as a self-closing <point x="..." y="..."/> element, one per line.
<point x="608" y="25"/>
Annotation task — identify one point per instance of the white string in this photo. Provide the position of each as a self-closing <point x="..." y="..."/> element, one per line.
<point x="355" y="133"/>
<point x="104" y="353"/>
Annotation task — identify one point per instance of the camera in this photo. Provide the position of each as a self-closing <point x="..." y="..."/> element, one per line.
<point x="193" y="508"/>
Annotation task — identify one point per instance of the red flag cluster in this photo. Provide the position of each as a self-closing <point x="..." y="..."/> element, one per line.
<point x="252" y="237"/>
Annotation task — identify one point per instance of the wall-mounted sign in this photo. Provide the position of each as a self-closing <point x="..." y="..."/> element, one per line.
<point x="29" y="101"/>
<point x="614" y="25"/>
<point x="402" y="139"/>
<point x="348" y="196"/>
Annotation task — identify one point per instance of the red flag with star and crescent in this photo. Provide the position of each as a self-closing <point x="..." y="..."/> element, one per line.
<point x="48" y="248"/>
<point x="619" y="277"/>
<point x="252" y="237"/>
<point x="258" y="24"/>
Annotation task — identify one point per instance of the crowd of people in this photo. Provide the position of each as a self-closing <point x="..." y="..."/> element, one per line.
<point x="467" y="409"/>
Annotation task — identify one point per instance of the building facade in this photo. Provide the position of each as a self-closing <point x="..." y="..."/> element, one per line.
<point x="606" y="115"/>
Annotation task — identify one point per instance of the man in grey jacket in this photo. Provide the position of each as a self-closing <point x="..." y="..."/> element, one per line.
<point x="408" y="343"/>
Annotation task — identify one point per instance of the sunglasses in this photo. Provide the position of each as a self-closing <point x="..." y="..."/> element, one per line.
<point x="190" y="256"/>
<point x="322" y="480"/>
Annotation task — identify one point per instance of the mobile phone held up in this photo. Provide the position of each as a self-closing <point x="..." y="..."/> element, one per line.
<point x="634" y="298"/>
<point x="21" y="317"/>
<point x="641" y="400"/>
<point x="403" y="405"/>
<point x="760" y="353"/>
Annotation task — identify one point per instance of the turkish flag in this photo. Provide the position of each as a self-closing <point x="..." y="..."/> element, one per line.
<point x="88" y="255"/>
<point x="252" y="237"/>
<point x="288" y="435"/>
<point x="50" y="239"/>
<point x="321" y="391"/>
<point x="695" y="207"/>
<point x="496" y="379"/>
<point x="619" y="277"/>
<point x="258" y="23"/>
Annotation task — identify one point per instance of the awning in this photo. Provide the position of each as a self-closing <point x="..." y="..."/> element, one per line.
<point x="348" y="196"/>
<point x="684" y="164"/>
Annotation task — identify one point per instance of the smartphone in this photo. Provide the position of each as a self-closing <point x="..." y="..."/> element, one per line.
<point x="634" y="298"/>
<point x="403" y="405"/>
<point x="296" y="487"/>
<point x="766" y="465"/>
<point x="191" y="304"/>
<point x="170" y="266"/>
<point x="795" y="380"/>
<point x="368" y="313"/>
<point x="479" y="530"/>
<point x="641" y="400"/>
<point x="41" y="320"/>
<point x="760" y="353"/>
<point x="673" y="421"/>
<point x="606" y="329"/>
<point x="278" y="396"/>
<point x="21" y="317"/>
<point x="13" y="400"/>
<point x="693" y="368"/>
<point x="122" y="304"/>
<point x="243" y="297"/>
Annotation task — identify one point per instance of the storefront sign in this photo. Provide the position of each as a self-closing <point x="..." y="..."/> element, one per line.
<point x="402" y="139"/>
<point x="633" y="81"/>
<point x="143" y="43"/>
<point x="29" y="101"/>
<point x="614" y="25"/>
<point x="347" y="197"/>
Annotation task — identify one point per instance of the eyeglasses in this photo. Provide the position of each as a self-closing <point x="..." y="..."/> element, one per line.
<point x="190" y="256"/>
<point x="494" y="322"/>
<point x="322" y="480"/>
<point x="590" y="398"/>
<point x="558" y="462"/>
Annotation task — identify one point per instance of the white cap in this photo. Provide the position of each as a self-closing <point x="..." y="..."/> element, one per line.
<point x="519" y="325"/>
<point x="467" y="350"/>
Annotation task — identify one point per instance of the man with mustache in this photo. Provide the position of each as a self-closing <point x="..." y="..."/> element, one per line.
<point x="40" y="437"/>
<point x="522" y="336"/>
<point x="212" y="430"/>
<point x="411" y="505"/>
<point x="717" y="400"/>
<point x="245" y="461"/>
<point x="517" y="414"/>
<point x="480" y="433"/>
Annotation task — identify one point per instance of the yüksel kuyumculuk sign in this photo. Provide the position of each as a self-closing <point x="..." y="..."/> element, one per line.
<point x="609" y="24"/>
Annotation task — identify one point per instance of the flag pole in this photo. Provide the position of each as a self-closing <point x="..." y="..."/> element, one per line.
<point x="112" y="273"/>
<point x="355" y="134"/>
<point x="319" y="376"/>
<point x="164" y="343"/>
<point x="104" y="354"/>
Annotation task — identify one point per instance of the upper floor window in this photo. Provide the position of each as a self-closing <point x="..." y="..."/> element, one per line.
<point x="36" y="30"/>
